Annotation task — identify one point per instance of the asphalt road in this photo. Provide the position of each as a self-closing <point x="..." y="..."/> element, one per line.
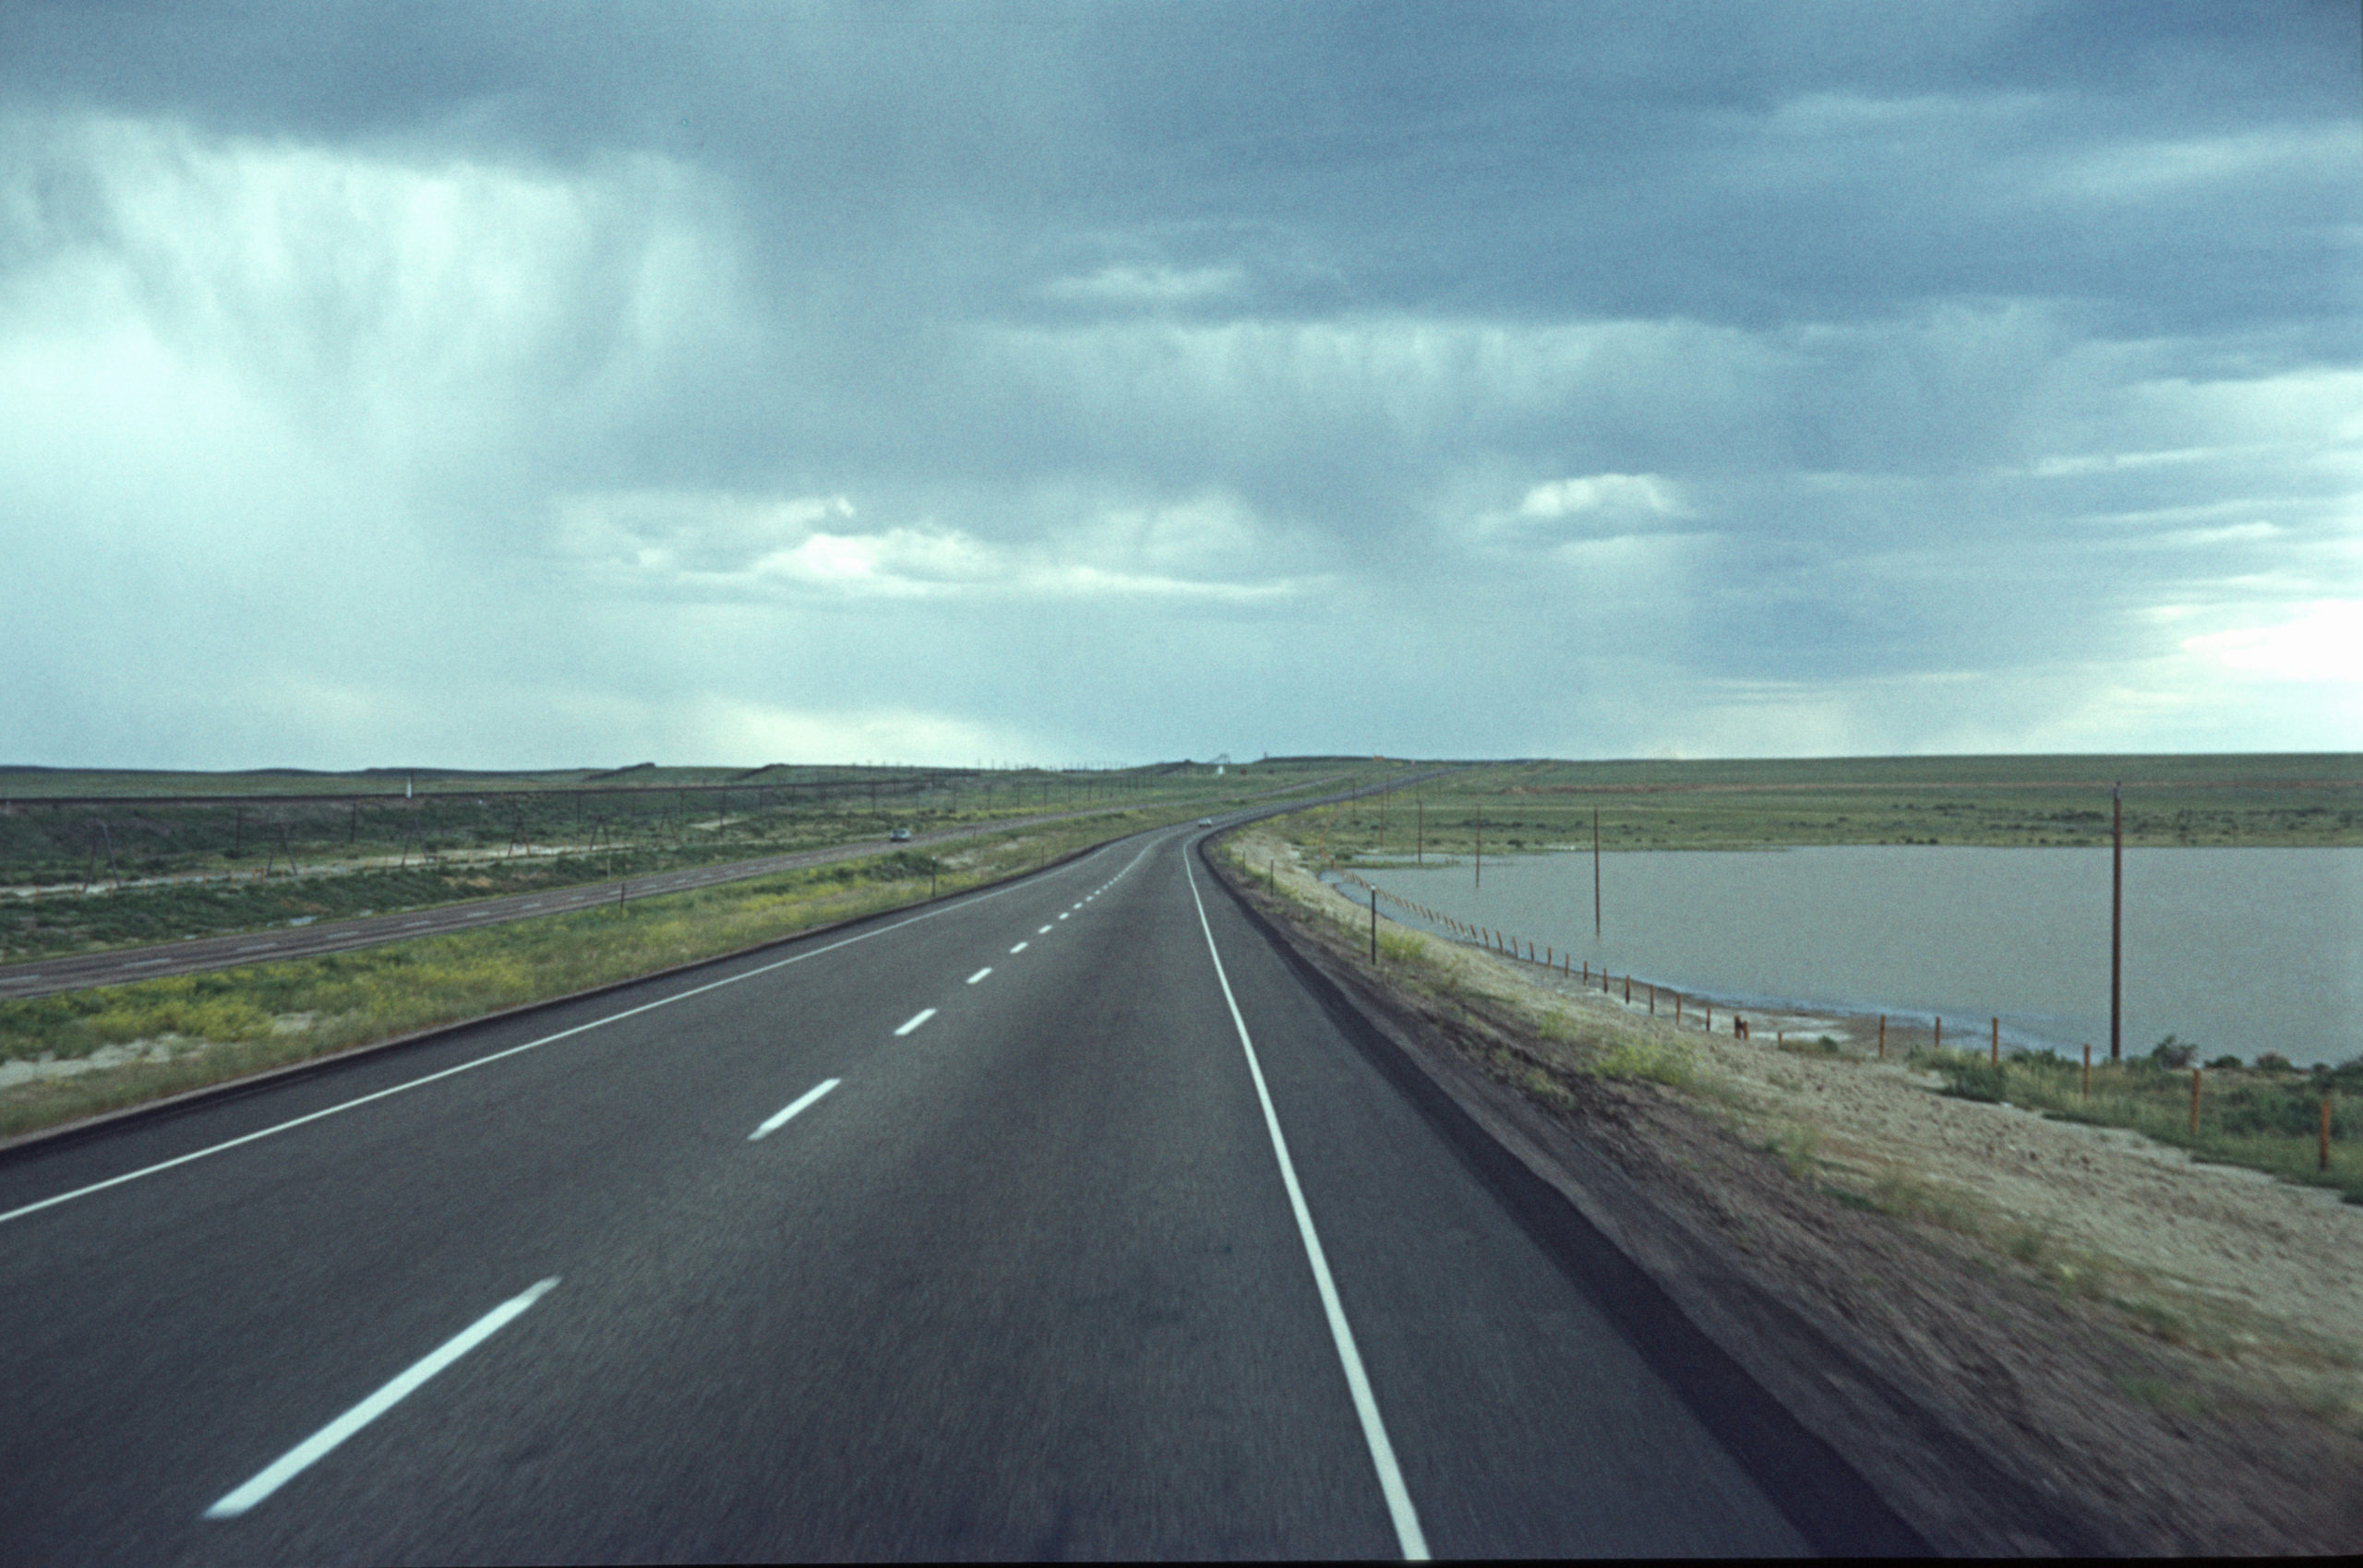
<point x="1059" y="1219"/>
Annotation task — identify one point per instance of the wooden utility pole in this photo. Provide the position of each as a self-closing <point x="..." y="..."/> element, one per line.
<point x="1595" y="873"/>
<point x="2116" y="931"/>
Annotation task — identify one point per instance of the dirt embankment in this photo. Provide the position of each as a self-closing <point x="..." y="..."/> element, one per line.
<point x="2028" y="1335"/>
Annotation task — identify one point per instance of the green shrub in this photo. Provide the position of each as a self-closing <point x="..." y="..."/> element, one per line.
<point x="1969" y="1078"/>
<point x="1649" y="1061"/>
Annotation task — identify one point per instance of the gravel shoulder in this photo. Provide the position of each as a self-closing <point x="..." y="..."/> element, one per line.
<point x="2147" y="1355"/>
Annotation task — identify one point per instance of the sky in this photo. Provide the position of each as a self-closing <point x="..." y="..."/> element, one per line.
<point x="554" y="384"/>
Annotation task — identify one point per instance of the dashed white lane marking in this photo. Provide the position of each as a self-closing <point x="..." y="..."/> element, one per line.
<point x="781" y="1119"/>
<point x="1043" y="932"/>
<point x="408" y="924"/>
<point x="1408" y="1534"/>
<point x="142" y="962"/>
<point x="54" y="1199"/>
<point x="255" y="947"/>
<point x="301" y="1457"/>
<point x="1062" y="914"/>
<point x="1021" y="947"/>
<point x="980" y="974"/>
<point x="916" y="1019"/>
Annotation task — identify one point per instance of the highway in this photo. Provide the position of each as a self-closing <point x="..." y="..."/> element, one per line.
<point x="116" y="966"/>
<point x="1059" y="1219"/>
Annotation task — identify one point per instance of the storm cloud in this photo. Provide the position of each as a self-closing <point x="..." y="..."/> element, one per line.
<point x="525" y="385"/>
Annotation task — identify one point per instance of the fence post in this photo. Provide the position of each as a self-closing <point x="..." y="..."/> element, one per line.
<point x="2325" y="1156"/>
<point x="1882" y="1037"/>
<point x="1997" y="1043"/>
<point x="2117" y="924"/>
<point x="1940" y="1031"/>
<point x="2088" y="1069"/>
<point x="2194" y="1102"/>
<point x="1374" y="925"/>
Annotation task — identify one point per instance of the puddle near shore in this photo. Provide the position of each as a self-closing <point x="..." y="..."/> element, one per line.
<point x="2244" y="950"/>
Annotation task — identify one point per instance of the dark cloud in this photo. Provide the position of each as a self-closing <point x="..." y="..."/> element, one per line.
<point x="1052" y="377"/>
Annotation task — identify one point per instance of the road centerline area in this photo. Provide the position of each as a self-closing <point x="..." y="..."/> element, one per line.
<point x="318" y="1446"/>
<point x="980" y="974"/>
<point x="797" y="1108"/>
<point x="916" y="1020"/>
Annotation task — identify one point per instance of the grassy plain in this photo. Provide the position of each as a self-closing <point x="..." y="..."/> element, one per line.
<point x="93" y="860"/>
<point x="2019" y="801"/>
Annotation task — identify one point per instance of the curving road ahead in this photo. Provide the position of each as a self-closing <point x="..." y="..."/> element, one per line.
<point x="1059" y="1219"/>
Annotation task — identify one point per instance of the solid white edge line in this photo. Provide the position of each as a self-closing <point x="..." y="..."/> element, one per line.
<point x="301" y="1457"/>
<point x="228" y="1143"/>
<point x="921" y="1016"/>
<point x="1408" y="1535"/>
<point x="980" y="974"/>
<point x="802" y="1102"/>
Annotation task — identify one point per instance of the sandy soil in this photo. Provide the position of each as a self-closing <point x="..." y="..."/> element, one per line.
<point x="2290" y="1256"/>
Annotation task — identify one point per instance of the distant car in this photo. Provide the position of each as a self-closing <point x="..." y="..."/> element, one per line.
<point x="1205" y="821"/>
<point x="900" y="835"/>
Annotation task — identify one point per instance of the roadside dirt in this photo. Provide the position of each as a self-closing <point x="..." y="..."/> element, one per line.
<point x="2162" y="1356"/>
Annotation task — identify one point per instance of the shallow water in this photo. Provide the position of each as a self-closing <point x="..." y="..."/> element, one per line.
<point x="2240" y="950"/>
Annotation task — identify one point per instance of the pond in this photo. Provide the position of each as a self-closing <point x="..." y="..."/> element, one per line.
<point x="2243" y="951"/>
